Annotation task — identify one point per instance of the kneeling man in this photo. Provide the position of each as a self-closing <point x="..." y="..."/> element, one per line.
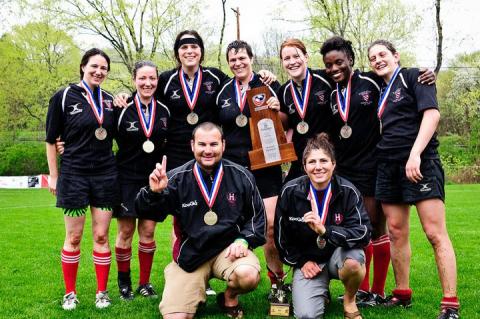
<point x="218" y="218"/>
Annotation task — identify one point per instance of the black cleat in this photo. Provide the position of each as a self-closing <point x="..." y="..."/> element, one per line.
<point x="147" y="290"/>
<point x="125" y="285"/>
<point x="392" y="301"/>
<point x="449" y="313"/>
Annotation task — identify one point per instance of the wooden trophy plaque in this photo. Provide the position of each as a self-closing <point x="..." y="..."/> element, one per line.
<point x="269" y="143"/>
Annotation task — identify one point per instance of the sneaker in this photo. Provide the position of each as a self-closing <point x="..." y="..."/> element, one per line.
<point x="102" y="300"/>
<point x="147" y="290"/>
<point x="70" y="301"/>
<point x="449" y="313"/>
<point x="392" y="301"/>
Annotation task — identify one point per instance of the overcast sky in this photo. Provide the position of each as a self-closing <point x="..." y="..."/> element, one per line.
<point x="461" y="23"/>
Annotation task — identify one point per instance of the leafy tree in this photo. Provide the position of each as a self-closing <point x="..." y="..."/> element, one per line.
<point x="361" y="21"/>
<point x="35" y="61"/>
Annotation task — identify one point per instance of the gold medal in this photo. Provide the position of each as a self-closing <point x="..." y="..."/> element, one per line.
<point x="101" y="133"/>
<point x="241" y="120"/>
<point x="148" y="146"/>
<point x="210" y="218"/>
<point x="302" y="127"/>
<point x="346" y="131"/>
<point x="192" y="118"/>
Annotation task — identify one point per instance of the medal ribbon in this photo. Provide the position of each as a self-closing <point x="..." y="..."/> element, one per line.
<point x="208" y="195"/>
<point x="147" y="126"/>
<point x="323" y="210"/>
<point x="240" y="97"/>
<point x="301" y="102"/>
<point x="97" y="109"/>
<point x="191" y="95"/>
<point x="384" y="97"/>
<point x="343" y="100"/>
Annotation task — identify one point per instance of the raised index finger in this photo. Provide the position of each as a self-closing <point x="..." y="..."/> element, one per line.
<point x="164" y="165"/>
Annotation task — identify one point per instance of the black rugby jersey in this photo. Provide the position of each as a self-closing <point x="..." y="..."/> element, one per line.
<point x="71" y="117"/>
<point x="318" y="115"/>
<point x="403" y="114"/>
<point x="170" y="92"/>
<point x="238" y="140"/>
<point x="356" y="154"/>
<point x="133" y="162"/>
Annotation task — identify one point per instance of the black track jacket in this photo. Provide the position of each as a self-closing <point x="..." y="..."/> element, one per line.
<point x="239" y="207"/>
<point x="347" y="222"/>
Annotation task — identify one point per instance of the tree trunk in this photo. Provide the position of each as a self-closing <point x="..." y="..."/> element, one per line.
<point x="439" y="37"/>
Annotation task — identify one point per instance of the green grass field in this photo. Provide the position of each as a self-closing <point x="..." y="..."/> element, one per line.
<point x="31" y="286"/>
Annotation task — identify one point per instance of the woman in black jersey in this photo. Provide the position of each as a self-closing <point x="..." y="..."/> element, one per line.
<point x="304" y="98"/>
<point x="82" y="116"/>
<point x="409" y="172"/>
<point x="233" y="115"/>
<point x="141" y="132"/>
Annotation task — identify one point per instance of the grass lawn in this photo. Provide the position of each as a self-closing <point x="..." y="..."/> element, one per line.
<point x="31" y="286"/>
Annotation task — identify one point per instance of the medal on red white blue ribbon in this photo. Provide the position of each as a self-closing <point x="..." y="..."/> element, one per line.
<point x="382" y="103"/>
<point x="241" y="98"/>
<point x="100" y="133"/>
<point x="343" y="106"/>
<point x="322" y="210"/>
<point x="191" y="95"/>
<point x="301" y="102"/>
<point x="147" y="126"/>
<point x="210" y="218"/>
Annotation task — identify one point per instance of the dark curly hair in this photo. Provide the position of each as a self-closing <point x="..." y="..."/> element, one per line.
<point x="339" y="44"/>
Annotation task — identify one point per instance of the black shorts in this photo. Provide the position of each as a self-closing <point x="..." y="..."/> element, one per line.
<point x="364" y="182"/>
<point x="268" y="180"/>
<point x="128" y="193"/>
<point x="394" y="187"/>
<point x="78" y="191"/>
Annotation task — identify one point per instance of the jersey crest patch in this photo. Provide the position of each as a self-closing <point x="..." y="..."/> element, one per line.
<point x="365" y="96"/>
<point x="232" y="199"/>
<point x="338" y="218"/>
<point x="397" y="95"/>
<point x="321" y="97"/>
<point x="208" y="87"/>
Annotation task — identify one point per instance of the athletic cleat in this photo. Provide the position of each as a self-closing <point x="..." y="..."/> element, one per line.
<point x="126" y="293"/>
<point x="360" y="296"/>
<point x="70" y="301"/>
<point x="392" y="301"/>
<point x="449" y="313"/>
<point x="147" y="290"/>
<point x="102" y="300"/>
<point x="372" y="300"/>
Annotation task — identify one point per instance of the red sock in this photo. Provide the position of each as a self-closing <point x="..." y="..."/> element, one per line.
<point x="102" y="263"/>
<point x="365" y="285"/>
<point x="381" y="261"/>
<point x="123" y="256"/>
<point x="450" y="302"/>
<point x="70" y="260"/>
<point x="273" y="277"/>
<point x="402" y="294"/>
<point x="145" y="258"/>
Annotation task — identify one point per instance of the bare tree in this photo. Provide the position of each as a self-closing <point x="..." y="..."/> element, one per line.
<point x="135" y="29"/>
<point x="221" y="35"/>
